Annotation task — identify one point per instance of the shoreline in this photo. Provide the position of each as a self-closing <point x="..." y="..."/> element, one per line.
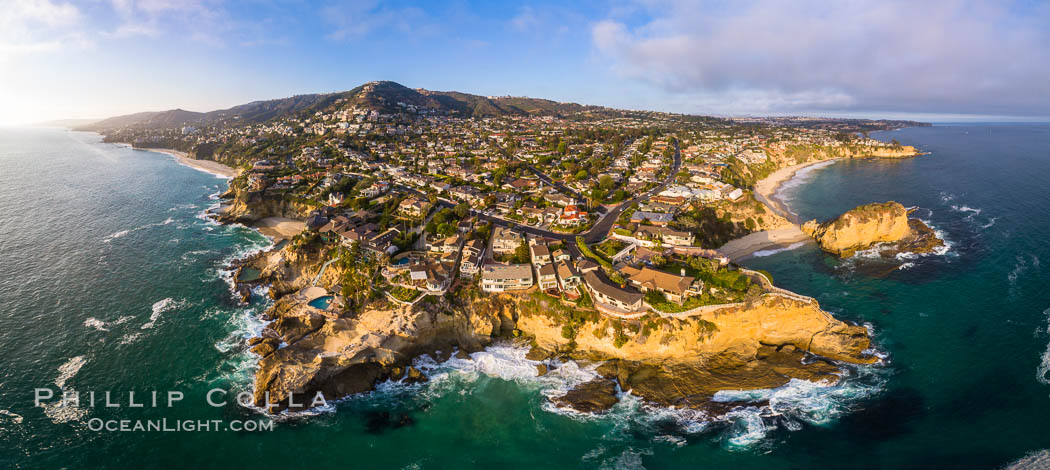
<point x="207" y="166"/>
<point x="765" y="191"/>
<point x="767" y="188"/>
<point x="279" y="229"/>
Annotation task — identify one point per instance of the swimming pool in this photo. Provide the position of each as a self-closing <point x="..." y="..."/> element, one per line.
<point x="321" y="302"/>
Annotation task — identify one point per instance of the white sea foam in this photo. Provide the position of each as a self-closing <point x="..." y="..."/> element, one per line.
<point x="629" y="459"/>
<point x="96" y="324"/>
<point x="1042" y="373"/>
<point x="507" y="362"/>
<point x="130" y="338"/>
<point x="69" y="370"/>
<point x="1021" y="266"/>
<point x="786" y="189"/>
<point x="774" y="251"/>
<point x="115" y="235"/>
<point x="1035" y="460"/>
<point x="795" y="403"/>
<point x="58" y="411"/>
<point x="124" y="233"/>
<point x="966" y="209"/>
<point x="8" y="415"/>
<point x="159" y="307"/>
<point x="909" y="258"/>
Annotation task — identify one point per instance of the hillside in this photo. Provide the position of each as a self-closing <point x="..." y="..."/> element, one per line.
<point x="383" y="96"/>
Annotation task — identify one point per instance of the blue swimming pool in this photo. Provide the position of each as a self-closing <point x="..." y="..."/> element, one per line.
<point x="321" y="302"/>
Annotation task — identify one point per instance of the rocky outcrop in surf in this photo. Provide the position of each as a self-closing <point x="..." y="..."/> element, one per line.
<point x="865" y="226"/>
<point x="758" y="344"/>
<point x="245" y="207"/>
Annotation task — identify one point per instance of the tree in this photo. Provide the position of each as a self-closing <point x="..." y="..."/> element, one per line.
<point x="606" y="182"/>
<point x="462" y="209"/>
<point x="521" y="253"/>
<point x="580" y="175"/>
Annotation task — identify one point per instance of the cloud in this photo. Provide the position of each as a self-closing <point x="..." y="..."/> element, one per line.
<point x="525" y="20"/>
<point x="33" y="26"/>
<point x="356" y="18"/>
<point x="892" y="55"/>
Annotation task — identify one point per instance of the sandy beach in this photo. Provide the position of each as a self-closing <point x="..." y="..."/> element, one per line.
<point x="765" y="191"/>
<point x="766" y="188"/>
<point x="207" y="166"/>
<point x="279" y="228"/>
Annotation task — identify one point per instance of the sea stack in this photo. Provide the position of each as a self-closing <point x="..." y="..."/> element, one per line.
<point x="865" y="226"/>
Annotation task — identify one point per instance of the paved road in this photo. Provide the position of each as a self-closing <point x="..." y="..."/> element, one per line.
<point x="602" y="227"/>
<point x="596" y="233"/>
<point x="558" y="185"/>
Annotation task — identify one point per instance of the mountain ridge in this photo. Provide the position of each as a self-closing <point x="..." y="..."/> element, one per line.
<point x="382" y="96"/>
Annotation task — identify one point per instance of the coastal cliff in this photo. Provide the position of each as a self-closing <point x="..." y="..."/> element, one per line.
<point x="865" y="226"/>
<point x="761" y="343"/>
<point x="246" y="207"/>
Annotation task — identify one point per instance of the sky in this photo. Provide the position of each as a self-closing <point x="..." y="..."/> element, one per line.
<point x="926" y="60"/>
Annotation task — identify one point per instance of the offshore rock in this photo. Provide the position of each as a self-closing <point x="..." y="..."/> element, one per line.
<point x="595" y="396"/>
<point x="865" y="226"/>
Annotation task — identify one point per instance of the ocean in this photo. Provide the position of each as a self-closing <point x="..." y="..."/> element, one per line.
<point x="112" y="280"/>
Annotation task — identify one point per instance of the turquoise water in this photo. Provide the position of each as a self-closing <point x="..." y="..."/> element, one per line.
<point x="113" y="281"/>
<point x="321" y="302"/>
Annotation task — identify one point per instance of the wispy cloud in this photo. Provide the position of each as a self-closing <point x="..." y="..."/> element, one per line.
<point x="353" y="18"/>
<point x="954" y="56"/>
<point x="33" y="26"/>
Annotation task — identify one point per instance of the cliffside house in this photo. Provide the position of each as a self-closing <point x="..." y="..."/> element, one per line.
<point x="547" y="277"/>
<point x="432" y="276"/>
<point x="610" y="298"/>
<point x="473" y="252"/>
<point x="501" y="277"/>
<point x="568" y="277"/>
<point x="649" y="235"/>
<point x="540" y="254"/>
<point x="675" y="288"/>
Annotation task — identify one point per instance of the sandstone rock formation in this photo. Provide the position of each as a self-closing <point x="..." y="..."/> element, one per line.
<point x="865" y="226"/>
<point x="860" y="228"/>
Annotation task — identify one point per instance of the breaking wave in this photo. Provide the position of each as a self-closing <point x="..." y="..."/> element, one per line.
<point x="1039" y="459"/>
<point x="123" y="233"/>
<point x="1042" y="373"/>
<point x="789" y="407"/>
<point x="159" y="307"/>
<point x="762" y="253"/>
